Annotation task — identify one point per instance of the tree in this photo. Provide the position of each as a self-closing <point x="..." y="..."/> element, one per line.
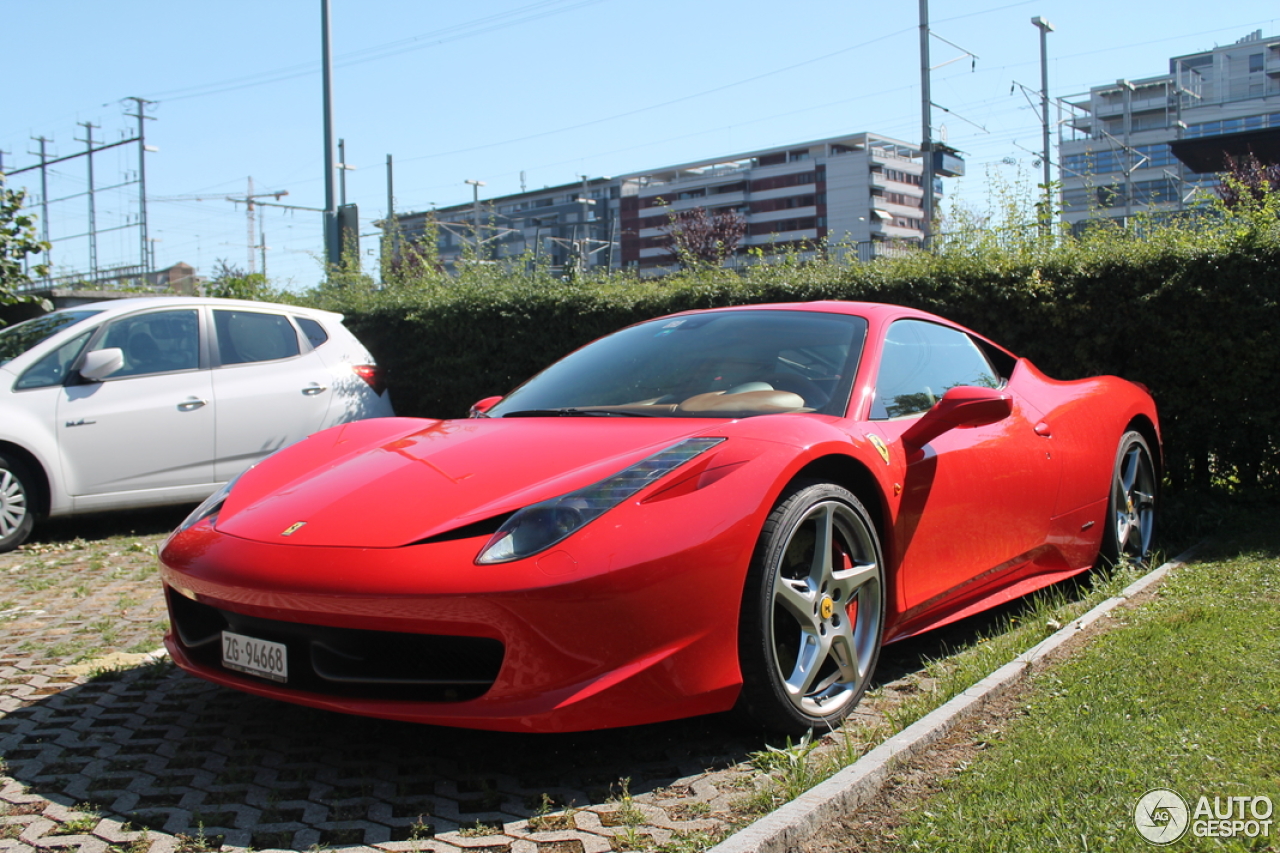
<point x="407" y="261"/>
<point x="232" y="282"/>
<point x="699" y="236"/>
<point x="1247" y="178"/>
<point x="17" y="241"/>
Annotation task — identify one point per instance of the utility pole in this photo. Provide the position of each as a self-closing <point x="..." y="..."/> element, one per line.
<point x="390" y="228"/>
<point x="93" y="217"/>
<point x="391" y="198"/>
<point x="475" y="209"/>
<point x="140" y="115"/>
<point x="92" y="147"/>
<point x="44" y="202"/>
<point x="249" y="216"/>
<point x="332" y="240"/>
<point x="926" y="122"/>
<point x="580" y="245"/>
<point x="343" y="168"/>
<point x="1045" y="28"/>
<point x="251" y="202"/>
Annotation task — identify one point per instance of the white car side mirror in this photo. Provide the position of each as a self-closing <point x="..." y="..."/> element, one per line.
<point x="101" y="363"/>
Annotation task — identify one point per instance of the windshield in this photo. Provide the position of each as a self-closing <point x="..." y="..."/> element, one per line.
<point x="15" y="340"/>
<point x="720" y="364"/>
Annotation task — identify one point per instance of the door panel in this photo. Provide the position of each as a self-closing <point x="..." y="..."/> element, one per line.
<point x="150" y="425"/>
<point x="138" y="432"/>
<point x="976" y="500"/>
<point x="269" y="392"/>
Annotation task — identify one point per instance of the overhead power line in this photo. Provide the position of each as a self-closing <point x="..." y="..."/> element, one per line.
<point x="479" y="26"/>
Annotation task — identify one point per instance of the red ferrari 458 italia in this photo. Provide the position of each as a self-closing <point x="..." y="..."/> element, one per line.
<point x="722" y="509"/>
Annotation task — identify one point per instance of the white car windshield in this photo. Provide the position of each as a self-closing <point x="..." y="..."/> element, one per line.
<point x="15" y="340"/>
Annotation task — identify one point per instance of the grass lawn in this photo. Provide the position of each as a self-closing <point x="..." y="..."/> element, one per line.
<point x="1184" y="695"/>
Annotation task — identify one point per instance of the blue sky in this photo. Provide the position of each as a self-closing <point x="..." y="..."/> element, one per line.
<point x="547" y="89"/>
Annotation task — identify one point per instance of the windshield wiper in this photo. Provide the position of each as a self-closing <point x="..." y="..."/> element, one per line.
<point x="576" y="413"/>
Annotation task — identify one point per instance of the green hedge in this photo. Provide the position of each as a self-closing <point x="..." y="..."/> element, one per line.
<point x="1190" y="312"/>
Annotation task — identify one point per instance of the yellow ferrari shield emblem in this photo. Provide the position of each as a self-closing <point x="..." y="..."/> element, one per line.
<point x="827" y="607"/>
<point x="879" y="445"/>
<point x="293" y="528"/>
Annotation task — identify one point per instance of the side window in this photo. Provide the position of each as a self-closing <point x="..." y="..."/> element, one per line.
<point x="52" y="369"/>
<point x="158" y="342"/>
<point x="921" y="361"/>
<point x="314" y="331"/>
<point x="248" y="336"/>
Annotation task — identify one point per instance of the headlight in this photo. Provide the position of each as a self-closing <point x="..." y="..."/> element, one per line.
<point x="210" y="507"/>
<point x="536" y="528"/>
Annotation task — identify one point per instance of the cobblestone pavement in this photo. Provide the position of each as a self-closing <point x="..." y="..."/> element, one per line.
<point x="108" y="749"/>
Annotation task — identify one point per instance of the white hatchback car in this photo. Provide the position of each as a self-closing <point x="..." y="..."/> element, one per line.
<point x="160" y="400"/>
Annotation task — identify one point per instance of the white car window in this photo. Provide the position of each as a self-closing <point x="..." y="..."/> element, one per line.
<point x="248" y="336"/>
<point x="52" y="369"/>
<point x="157" y="342"/>
<point x="314" y="331"/>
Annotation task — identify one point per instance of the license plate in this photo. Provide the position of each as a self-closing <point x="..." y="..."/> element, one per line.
<point x="256" y="657"/>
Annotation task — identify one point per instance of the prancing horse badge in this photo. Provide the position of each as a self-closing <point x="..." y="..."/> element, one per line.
<point x="879" y="445"/>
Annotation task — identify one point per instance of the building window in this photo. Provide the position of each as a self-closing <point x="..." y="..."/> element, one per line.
<point x="1150" y="122"/>
<point x="793" y="180"/>
<point x="1112" y="196"/>
<point x="803" y="224"/>
<point x="1255" y="63"/>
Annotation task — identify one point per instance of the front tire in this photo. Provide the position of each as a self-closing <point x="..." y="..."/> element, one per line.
<point x="1131" y="507"/>
<point x="812" y="611"/>
<point x="16" y="503"/>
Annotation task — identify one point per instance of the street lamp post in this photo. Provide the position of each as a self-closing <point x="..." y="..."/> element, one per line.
<point x="1045" y="28"/>
<point x="333" y="242"/>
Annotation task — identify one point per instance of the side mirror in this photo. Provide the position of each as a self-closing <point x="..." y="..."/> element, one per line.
<point x="961" y="406"/>
<point x="480" y="409"/>
<point x="101" y="363"/>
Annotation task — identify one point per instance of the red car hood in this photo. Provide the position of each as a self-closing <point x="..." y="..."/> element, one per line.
<point x="388" y="482"/>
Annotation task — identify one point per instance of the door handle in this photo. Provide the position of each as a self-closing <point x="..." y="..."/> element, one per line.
<point x="312" y="390"/>
<point x="191" y="405"/>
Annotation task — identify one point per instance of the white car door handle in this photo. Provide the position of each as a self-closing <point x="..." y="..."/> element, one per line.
<point x="313" y="389"/>
<point x="191" y="405"/>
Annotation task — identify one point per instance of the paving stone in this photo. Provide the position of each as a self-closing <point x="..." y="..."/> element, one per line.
<point x="165" y="759"/>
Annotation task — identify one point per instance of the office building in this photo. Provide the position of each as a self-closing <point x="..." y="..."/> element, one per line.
<point x="1148" y="145"/>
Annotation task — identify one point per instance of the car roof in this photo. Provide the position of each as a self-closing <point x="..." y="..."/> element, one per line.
<point x="139" y="303"/>
<point x="870" y="310"/>
<point x="876" y="313"/>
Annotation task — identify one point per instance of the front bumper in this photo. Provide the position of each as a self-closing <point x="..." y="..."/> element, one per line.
<point x="631" y="621"/>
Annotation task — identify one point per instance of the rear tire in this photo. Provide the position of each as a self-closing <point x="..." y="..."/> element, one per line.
<point x="16" y="503"/>
<point x="812" y="611"/>
<point x="1131" y="507"/>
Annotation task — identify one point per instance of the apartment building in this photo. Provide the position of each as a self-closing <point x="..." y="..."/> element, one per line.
<point x="859" y="193"/>
<point x="562" y="225"/>
<point x="1149" y="145"/>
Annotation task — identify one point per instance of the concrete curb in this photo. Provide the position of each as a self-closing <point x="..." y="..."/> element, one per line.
<point x="798" y="820"/>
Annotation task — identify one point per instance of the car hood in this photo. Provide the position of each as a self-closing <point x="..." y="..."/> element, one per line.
<point x="389" y="482"/>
